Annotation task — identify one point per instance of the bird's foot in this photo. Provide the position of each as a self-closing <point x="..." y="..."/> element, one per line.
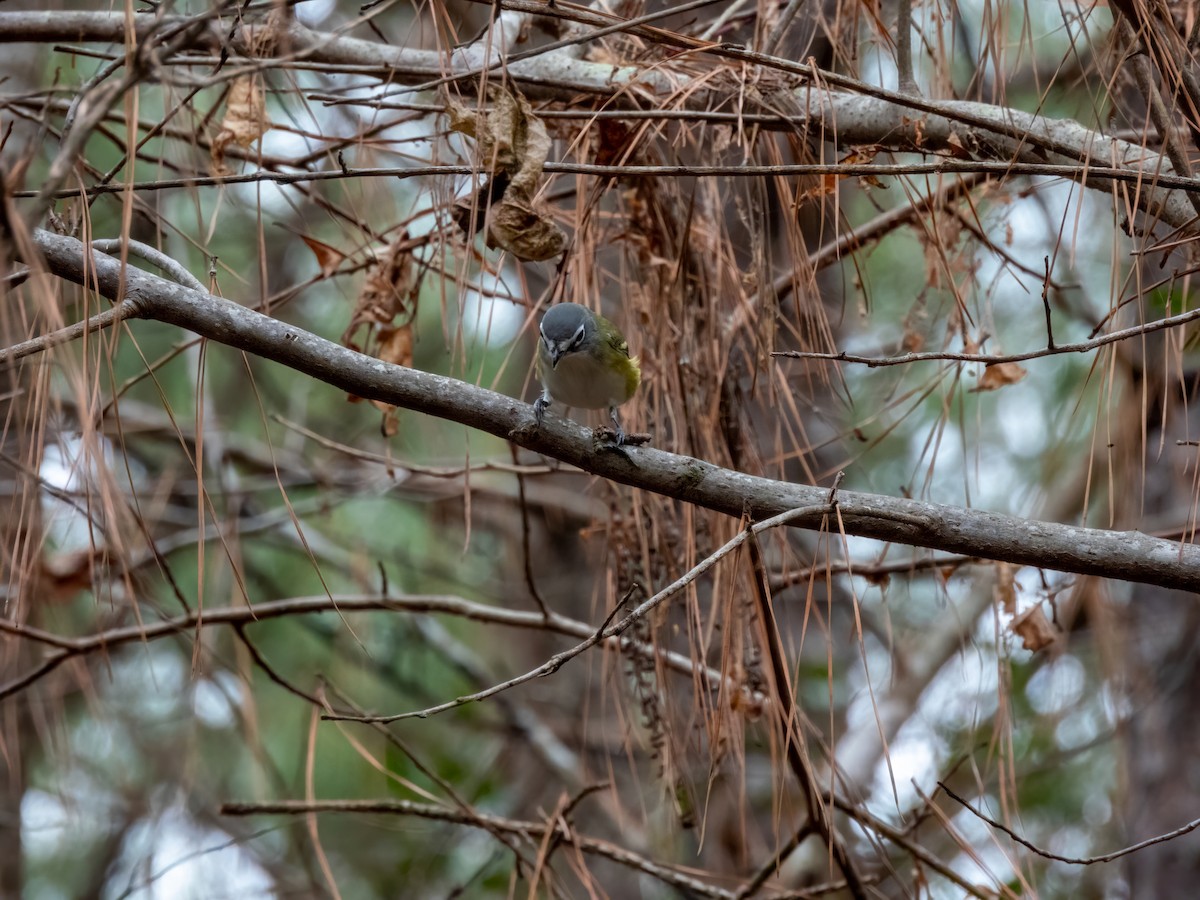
<point x="614" y="440"/>
<point x="618" y="437"/>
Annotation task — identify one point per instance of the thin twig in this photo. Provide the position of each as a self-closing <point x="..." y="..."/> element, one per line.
<point x="125" y="310"/>
<point x="992" y="359"/>
<point x="1074" y="860"/>
<point x="1050" y="346"/>
<point x="68" y="647"/>
<point x="605" y="631"/>
<point x="771" y="866"/>
<point x="488" y="822"/>
<point x="1081" y="173"/>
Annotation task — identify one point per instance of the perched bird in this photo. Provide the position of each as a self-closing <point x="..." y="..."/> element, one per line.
<point x="583" y="361"/>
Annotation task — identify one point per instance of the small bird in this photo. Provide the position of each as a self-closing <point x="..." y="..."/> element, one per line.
<point x="583" y="361"/>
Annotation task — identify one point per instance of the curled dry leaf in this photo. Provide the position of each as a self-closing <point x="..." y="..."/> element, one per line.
<point x="514" y="225"/>
<point x="828" y="183"/>
<point x="245" y="119"/>
<point x="468" y="213"/>
<point x="1000" y="375"/>
<point x="395" y="345"/>
<point x="1034" y="629"/>
<point x="390" y="423"/>
<point x="957" y="148"/>
<point x="513" y="143"/>
<point x="328" y="256"/>
<point x="389" y="293"/>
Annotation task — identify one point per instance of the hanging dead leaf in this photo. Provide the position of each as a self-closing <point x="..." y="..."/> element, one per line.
<point x="470" y="213"/>
<point x="913" y="341"/>
<point x="390" y="290"/>
<point x="918" y="133"/>
<point x="462" y="119"/>
<point x="828" y="183"/>
<point x="613" y="148"/>
<point x="516" y="227"/>
<point x="513" y="143"/>
<point x="1000" y="375"/>
<point x="958" y="149"/>
<point x="328" y="257"/>
<point x="396" y="345"/>
<point x="1034" y="629"/>
<point x="389" y="293"/>
<point x="245" y="119"/>
<point x="877" y="579"/>
<point x="390" y="423"/>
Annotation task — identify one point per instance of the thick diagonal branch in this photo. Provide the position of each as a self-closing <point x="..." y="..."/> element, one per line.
<point x="1128" y="556"/>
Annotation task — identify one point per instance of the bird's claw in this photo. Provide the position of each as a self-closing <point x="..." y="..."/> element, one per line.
<point x="611" y="440"/>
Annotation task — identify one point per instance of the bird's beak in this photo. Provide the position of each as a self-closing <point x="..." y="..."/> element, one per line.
<point x="555" y="356"/>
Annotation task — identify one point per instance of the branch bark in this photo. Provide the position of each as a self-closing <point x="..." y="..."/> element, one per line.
<point x="1127" y="556"/>
<point x="827" y="106"/>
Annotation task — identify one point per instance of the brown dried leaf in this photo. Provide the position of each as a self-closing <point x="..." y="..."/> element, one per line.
<point x="462" y="119"/>
<point x="513" y="144"/>
<point x="532" y="146"/>
<point x="396" y="345"/>
<point x="514" y="225"/>
<point x="500" y="131"/>
<point x="613" y="148"/>
<point x="390" y="423"/>
<point x="877" y="579"/>
<point x="958" y="149"/>
<point x="1000" y="375"/>
<point x="914" y="341"/>
<point x="1034" y="629"/>
<point x="245" y="119"/>
<point x="827" y="184"/>
<point x="389" y="291"/>
<point x="328" y="256"/>
<point x="469" y="212"/>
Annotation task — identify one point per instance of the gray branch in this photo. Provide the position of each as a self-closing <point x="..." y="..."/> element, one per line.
<point x="838" y="109"/>
<point x="1128" y="556"/>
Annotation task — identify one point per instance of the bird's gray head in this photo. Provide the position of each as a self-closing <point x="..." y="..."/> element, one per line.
<point x="566" y="327"/>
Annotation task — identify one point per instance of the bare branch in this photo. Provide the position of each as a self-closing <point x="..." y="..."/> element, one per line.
<point x="487" y="822"/>
<point x="1074" y="860"/>
<point x="1127" y="556"/>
